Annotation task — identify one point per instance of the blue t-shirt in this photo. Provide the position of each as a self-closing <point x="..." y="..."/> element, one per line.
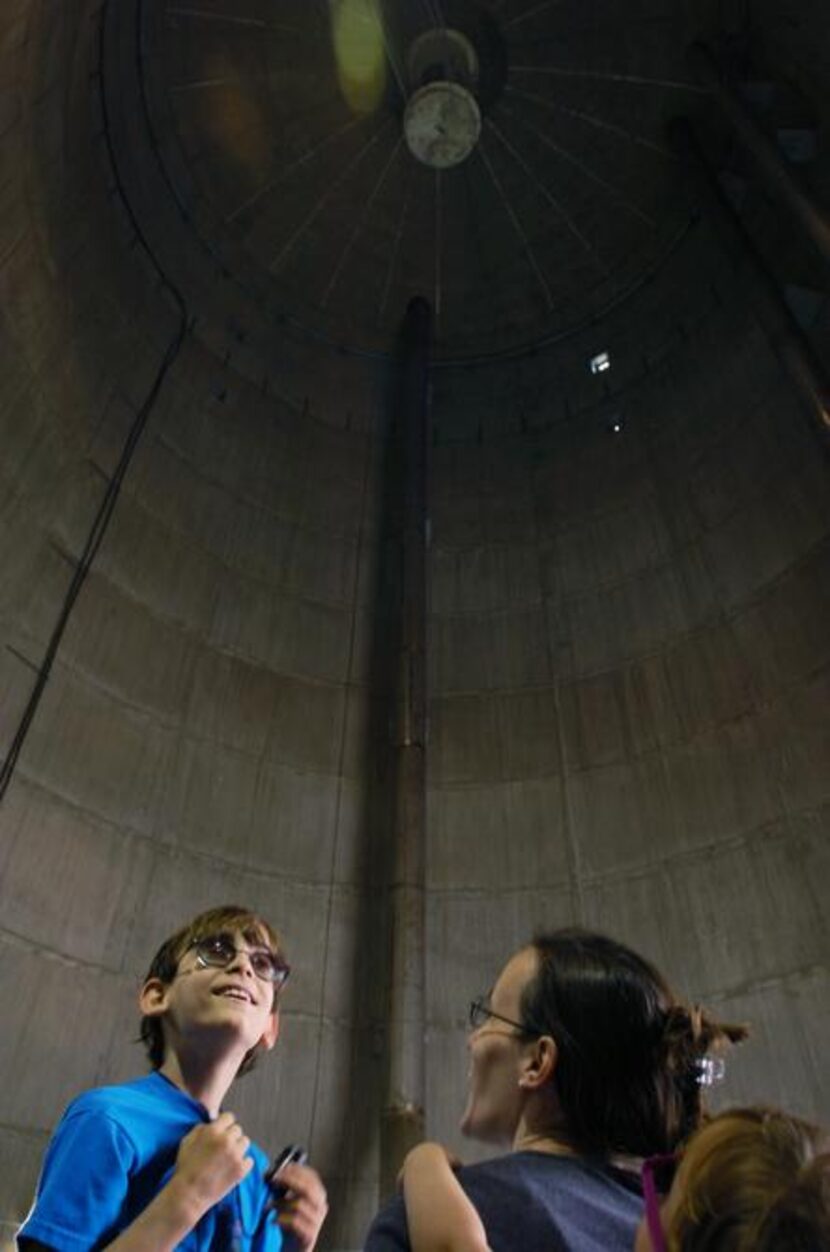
<point x="113" y="1151"/>
<point x="536" y="1202"/>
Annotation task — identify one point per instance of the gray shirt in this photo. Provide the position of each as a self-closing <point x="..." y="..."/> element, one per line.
<point x="536" y="1202"/>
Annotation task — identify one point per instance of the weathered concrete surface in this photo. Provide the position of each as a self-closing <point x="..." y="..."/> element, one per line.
<point x="629" y="658"/>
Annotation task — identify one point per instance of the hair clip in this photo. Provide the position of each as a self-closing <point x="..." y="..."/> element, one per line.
<point x="710" y="1070"/>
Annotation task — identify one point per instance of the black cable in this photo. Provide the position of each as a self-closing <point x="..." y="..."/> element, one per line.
<point x="105" y="510"/>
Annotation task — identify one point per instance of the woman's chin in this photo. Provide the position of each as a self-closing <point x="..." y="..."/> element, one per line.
<point x="473" y="1125"/>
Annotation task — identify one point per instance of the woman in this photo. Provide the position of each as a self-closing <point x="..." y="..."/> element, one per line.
<point x="581" y="1062"/>
<point x="751" y="1180"/>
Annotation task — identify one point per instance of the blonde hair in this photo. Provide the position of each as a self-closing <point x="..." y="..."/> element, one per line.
<point x="753" y="1180"/>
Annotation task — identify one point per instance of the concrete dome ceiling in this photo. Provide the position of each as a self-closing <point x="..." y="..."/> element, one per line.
<point x="306" y="191"/>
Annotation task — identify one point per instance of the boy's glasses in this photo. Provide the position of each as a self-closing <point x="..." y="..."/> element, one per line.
<point x="657" y="1175"/>
<point x="219" y="950"/>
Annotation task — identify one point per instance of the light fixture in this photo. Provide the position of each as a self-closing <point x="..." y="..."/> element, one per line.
<point x="442" y="120"/>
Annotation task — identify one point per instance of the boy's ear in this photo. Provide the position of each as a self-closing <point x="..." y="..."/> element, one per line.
<point x="271" y="1033"/>
<point x="152" y="999"/>
<point x="539" y="1064"/>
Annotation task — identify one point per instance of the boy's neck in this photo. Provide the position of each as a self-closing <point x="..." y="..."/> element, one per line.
<point x="204" y="1078"/>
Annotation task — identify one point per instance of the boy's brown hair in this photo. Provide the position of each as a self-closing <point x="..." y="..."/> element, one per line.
<point x="164" y="965"/>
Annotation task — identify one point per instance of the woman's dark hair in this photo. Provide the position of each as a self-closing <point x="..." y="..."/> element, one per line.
<point x="628" y="1067"/>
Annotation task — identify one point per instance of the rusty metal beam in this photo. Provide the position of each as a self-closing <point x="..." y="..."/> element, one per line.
<point x="778" y="178"/>
<point x="795" y="352"/>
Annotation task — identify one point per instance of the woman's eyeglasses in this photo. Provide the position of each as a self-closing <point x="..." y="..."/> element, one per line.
<point x="480" y="1012"/>
<point x="219" y="950"/>
<point x="657" y="1175"/>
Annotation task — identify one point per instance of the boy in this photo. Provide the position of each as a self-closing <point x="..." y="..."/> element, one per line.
<point x="154" y="1164"/>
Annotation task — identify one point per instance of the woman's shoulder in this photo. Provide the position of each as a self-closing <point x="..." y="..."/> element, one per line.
<point x="545" y="1165"/>
<point x="554" y="1192"/>
<point x="524" y="1171"/>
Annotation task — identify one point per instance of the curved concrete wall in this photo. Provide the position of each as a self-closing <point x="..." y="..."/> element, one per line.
<point x="630" y="720"/>
<point x="628" y="659"/>
<point x="206" y="733"/>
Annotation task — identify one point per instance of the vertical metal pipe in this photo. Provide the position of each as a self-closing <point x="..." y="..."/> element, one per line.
<point x="799" y="359"/>
<point x="403" y="1118"/>
<point x="778" y="177"/>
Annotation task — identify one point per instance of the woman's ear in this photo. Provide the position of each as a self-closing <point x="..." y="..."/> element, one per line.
<point x="539" y="1063"/>
<point x="152" y="999"/>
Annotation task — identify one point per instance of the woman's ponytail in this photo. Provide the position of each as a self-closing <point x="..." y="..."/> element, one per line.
<point x="693" y="1046"/>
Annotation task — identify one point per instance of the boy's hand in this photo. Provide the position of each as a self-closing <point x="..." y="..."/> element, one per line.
<point x="302" y="1210"/>
<point x="211" y="1161"/>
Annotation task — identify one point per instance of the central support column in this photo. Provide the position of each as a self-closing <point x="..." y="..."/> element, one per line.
<point x="403" y="1116"/>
